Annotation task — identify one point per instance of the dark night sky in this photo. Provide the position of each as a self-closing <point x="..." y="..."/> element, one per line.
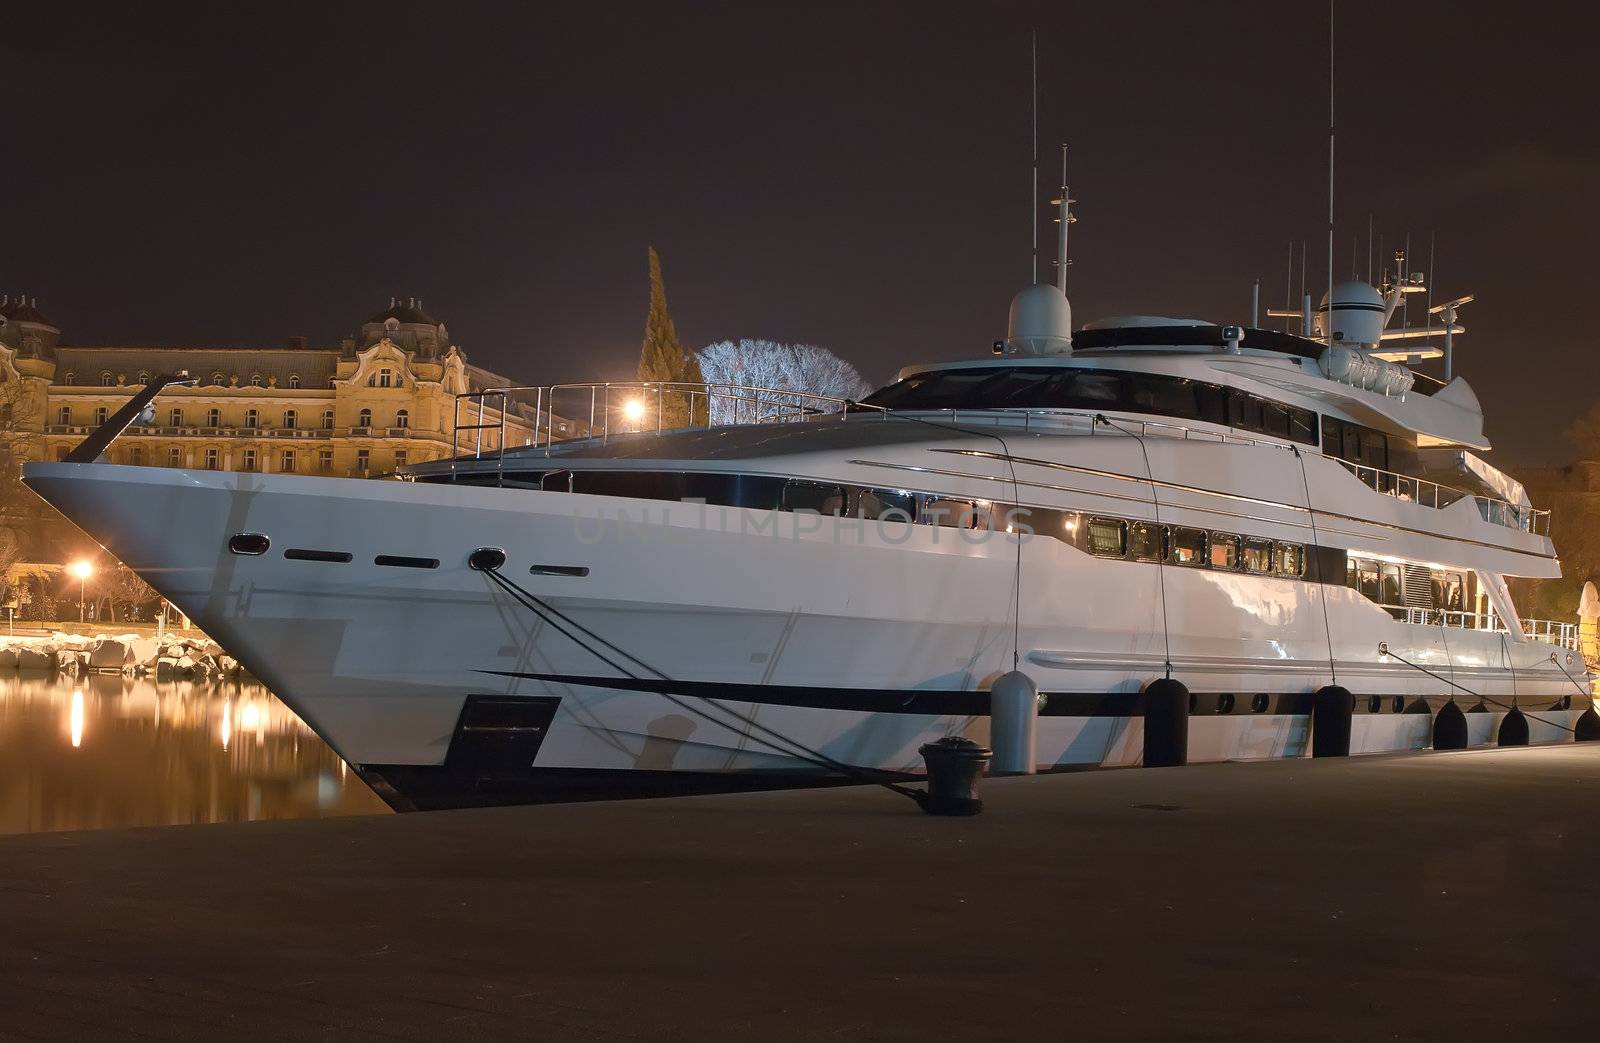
<point x="852" y="176"/>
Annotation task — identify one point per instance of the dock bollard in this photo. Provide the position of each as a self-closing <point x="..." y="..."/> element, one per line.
<point x="954" y="765"/>
<point x="1013" y="723"/>
<point x="1332" y="712"/>
<point x="1513" y="728"/>
<point x="1450" y="728"/>
<point x="1166" y="724"/>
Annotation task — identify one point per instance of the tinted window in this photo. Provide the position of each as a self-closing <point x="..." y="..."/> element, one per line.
<point x="1144" y="541"/>
<point x="814" y="496"/>
<point x="881" y="503"/>
<point x="1258" y="555"/>
<point x="1291" y="559"/>
<point x="1224" y="551"/>
<point x="1107" y="537"/>
<point x="1186" y="546"/>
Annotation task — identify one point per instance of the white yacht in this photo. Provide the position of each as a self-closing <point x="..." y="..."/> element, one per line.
<point x="802" y="587"/>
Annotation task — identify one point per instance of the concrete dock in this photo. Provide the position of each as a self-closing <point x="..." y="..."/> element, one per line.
<point x="1432" y="895"/>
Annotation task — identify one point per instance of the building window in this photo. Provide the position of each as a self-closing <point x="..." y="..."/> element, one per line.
<point x="294" y="381"/>
<point x="217" y="380"/>
<point x="249" y="463"/>
<point x="64" y="416"/>
<point x="213" y="460"/>
<point x="174" y="457"/>
<point x="402" y="418"/>
<point x="327" y="420"/>
<point x="213" y="418"/>
<point x="365" y="419"/>
<point x="363" y="460"/>
<point x="70" y="379"/>
<point x="385" y="378"/>
<point x="286" y="462"/>
<point x="252" y="418"/>
<point x="99" y="415"/>
<point x="144" y="377"/>
<point x="325" y="460"/>
<point x="399" y="457"/>
<point x="61" y="453"/>
<point x="290" y="418"/>
<point x="107" y="380"/>
<point x="175" y="418"/>
<point x="256" y="381"/>
<point x="136" y="455"/>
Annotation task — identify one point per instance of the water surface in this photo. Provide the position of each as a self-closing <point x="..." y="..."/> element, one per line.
<point x="105" y="750"/>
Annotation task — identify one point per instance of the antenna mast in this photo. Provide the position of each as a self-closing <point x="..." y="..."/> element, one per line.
<point x="1035" y="198"/>
<point x="1065" y="218"/>
<point x="1328" y="323"/>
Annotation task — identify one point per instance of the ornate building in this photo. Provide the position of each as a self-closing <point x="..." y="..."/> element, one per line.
<point x="383" y="399"/>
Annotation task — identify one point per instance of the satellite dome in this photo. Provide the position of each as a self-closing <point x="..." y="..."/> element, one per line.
<point x="1040" y="322"/>
<point x="1358" y="315"/>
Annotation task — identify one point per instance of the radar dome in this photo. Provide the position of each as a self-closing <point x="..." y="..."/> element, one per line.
<point x="1358" y="315"/>
<point x="1040" y="322"/>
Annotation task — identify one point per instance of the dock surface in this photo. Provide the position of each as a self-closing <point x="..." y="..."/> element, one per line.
<point x="1431" y="895"/>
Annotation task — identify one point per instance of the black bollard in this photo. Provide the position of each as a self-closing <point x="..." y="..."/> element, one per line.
<point x="1588" y="727"/>
<point x="1513" y="728"/>
<point x="1450" y="728"/>
<point x="954" y="765"/>
<point x="1166" y="724"/>
<point x="1331" y="713"/>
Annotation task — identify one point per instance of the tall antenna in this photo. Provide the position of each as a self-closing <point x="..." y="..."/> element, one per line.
<point x="1328" y="323"/>
<point x="1288" y="291"/>
<point x="1369" y="250"/>
<point x="1035" y="197"/>
<point x="1066" y="218"/>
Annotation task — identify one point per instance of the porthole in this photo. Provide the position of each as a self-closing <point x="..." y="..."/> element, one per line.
<point x="1225" y="702"/>
<point x="1259" y="703"/>
<point x="1194" y="701"/>
<point x="486" y="559"/>
<point x="1399" y="704"/>
<point x="403" y="562"/>
<point x="559" y="570"/>
<point x="302" y="554"/>
<point x="1375" y="704"/>
<point x="249" y="543"/>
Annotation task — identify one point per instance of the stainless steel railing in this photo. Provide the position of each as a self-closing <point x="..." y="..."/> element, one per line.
<point x="565" y="412"/>
<point x="1432" y="494"/>
<point x="1555" y="632"/>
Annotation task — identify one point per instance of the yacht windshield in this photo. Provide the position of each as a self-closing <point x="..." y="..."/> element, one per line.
<point x="1092" y="390"/>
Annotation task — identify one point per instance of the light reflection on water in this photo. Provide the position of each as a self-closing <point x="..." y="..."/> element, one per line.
<point x="105" y="750"/>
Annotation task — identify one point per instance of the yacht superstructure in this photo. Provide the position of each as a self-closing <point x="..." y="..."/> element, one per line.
<point x="1256" y="514"/>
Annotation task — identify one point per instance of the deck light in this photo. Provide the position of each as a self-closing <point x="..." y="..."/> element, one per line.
<point x="633" y="410"/>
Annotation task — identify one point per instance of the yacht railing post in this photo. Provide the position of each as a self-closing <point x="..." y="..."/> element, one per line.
<point x="659" y="400"/>
<point x="477" y="450"/>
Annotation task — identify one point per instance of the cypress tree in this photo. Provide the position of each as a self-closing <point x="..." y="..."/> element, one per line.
<point x="664" y="360"/>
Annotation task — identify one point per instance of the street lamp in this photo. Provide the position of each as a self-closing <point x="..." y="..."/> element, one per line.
<point x="633" y="410"/>
<point x="83" y="570"/>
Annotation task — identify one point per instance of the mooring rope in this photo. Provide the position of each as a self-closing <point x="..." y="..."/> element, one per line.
<point x="1383" y="650"/>
<point x="1161" y="573"/>
<point x="556" y="618"/>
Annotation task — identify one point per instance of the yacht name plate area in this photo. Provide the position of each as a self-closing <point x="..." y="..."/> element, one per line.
<point x="619" y="611"/>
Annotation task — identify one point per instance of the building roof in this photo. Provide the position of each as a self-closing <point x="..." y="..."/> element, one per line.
<point x="315" y="366"/>
<point x="24" y="309"/>
<point x="407" y="311"/>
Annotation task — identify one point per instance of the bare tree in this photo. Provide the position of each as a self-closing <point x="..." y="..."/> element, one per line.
<point x="127" y="591"/>
<point x="1584" y="434"/>
<point x="782" y="367"/>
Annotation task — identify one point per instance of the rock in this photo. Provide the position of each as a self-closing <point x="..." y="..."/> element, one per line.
<point x="109" y="653"/>
<point x="36" y="660"/>
<point x="8" y="659"/>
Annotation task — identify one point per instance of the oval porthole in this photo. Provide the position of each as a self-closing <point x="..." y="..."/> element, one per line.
<point x="1259" y="703"/>
<point x="1194" y="700"/>
<point x="251" y="543"/>
<point x="487" y="559"/>
<point x="1399" y="704"/>
<point x="1375" y="704"/>
<point x="1225" y="702"/>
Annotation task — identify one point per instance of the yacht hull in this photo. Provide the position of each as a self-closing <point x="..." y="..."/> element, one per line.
<point x="858" y="641"/>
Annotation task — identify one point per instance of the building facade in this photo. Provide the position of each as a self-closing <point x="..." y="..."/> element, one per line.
<point x="383" y="399"/>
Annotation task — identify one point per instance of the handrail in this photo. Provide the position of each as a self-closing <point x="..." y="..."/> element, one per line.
<point x="1432" y="494"/>
<point x="1555" y="632"/>
<point x="635" y="403"/>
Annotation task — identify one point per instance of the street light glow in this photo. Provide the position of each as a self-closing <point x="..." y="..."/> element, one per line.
<point x="633" y="410"/>
<point x="81" y="570"/>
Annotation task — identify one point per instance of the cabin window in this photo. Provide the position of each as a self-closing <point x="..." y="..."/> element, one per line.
<point x="1144" y="541"/>
<point x="1449" y="591"/>
<point x="954" y="514"/>
<point x="886" y="505"/>
<point x="1389" y="584"/>
<point x="1275" y="419"/>
<point x="1224" y="551"/>
<point x="1186" y="546"/>
<point x="1258" y="556"/>
<point x="817" y="497"/>
<point x="1291" y="560"/>
<point x="1354" y="443"/>
<point x="1107" y="537"/>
